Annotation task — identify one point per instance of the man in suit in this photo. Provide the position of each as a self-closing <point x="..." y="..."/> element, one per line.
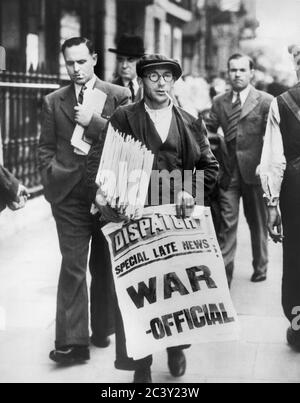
<point x="63" y="169"/>
<point x="242" y="114"/>
<point x="178" y="142"/>
<point x="12" y="193"/>
<point x="130" y="49"/>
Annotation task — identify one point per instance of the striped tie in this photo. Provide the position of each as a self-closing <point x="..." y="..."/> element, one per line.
<point x="233" y="120"/>
<point x="80" y="95"/>
<point x="130" y="86"/>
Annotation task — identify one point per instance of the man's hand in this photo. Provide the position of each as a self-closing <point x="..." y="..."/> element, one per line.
<point x="83" y="115"/>
<point x="274" y="224"/>
<point x="21" y="199"/>
<point x="107" y="213"/>
<point x="185" y="205"/>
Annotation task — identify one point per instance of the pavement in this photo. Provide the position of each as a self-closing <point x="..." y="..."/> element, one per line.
<point x="29" y="269"/>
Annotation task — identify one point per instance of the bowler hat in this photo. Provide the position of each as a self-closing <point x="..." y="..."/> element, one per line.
<point x="129" y="45"/>
<point x="157" y="60"/>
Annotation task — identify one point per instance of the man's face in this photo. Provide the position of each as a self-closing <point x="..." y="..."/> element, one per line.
<point x="126" y="67"/>
<point x="296" y="59"/>
<point x="155" y="93"/>
<point x="80" y="63"/>
<point x="240" y="73"/>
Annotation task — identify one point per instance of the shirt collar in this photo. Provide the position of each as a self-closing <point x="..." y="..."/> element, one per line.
<point x="89" y="85"/>
<point x="243" y="94"/>
<point x="160" y="111"/>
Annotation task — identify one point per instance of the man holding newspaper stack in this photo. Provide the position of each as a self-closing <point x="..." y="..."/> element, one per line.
<point x="178" y="142"/>
<point x="73" y="119"/>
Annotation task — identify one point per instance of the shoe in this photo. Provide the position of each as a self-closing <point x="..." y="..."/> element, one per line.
<point x="142" y="375"/>
<point x="100" y="342"/>
<point x="293" y="339"/>
<point x="176" y="363"/>
<point x="258" y="277"/>
<point x="70" y="355"/>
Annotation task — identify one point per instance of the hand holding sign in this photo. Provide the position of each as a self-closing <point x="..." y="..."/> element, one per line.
<point x="185" y="205"/>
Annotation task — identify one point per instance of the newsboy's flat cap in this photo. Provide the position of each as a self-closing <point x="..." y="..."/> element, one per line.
<point x="157" y="61"/>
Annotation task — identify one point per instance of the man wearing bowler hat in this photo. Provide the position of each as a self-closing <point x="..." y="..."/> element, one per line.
<point x="130" y="49"/>
<point x="178" y="142"/>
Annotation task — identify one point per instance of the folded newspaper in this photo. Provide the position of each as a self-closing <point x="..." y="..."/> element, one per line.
<point x="95" y="100"/>
<point x="124" y="173"/>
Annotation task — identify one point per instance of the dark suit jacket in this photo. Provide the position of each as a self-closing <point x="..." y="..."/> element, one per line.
<point x="61" y="168"/>
<point x="8" y="188"/>
<point x="251" y="131"/>
<point x="138" y="95"/>
<point x="196" y="152"/>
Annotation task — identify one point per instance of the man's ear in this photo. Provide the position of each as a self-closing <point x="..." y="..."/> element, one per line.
<point x="140" y="82"/>
<point x="95" y="58"/>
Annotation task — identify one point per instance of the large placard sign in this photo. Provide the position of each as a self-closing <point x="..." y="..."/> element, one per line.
<point x="170" y="281"/>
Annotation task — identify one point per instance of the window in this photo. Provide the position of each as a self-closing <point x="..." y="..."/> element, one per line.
<point x="157" y="30"/>
<point x="70" y="26"/>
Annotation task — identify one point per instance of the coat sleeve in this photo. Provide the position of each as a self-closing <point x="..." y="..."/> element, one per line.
<point x="206" y="162"/>
<point x="99" y="122"/>
<point x="212" y="120"/>
<point x="8" y="188"/>
<point x="94" y="156"/>
<point x="47" y="143"/>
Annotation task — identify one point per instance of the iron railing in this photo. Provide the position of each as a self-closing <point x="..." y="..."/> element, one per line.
<point x="21" y="98"/>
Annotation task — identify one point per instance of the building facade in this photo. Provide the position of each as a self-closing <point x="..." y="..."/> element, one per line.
<point x="218" y="29"/>
<point x="32" y="32"/>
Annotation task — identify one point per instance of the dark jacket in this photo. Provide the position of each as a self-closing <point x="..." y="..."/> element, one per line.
<point x="196" y="152"/>
<point x="8" y="188"/>
<point x="61" y="168"/>
<point x="138" y="95"/>
<point x="250" y="135"/>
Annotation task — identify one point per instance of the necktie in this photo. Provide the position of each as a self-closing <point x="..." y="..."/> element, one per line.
<point x="130" y="86"/>
<point x="80" y="101"/>
<point x="81" y="94"/>
<point x="233" y="120"/>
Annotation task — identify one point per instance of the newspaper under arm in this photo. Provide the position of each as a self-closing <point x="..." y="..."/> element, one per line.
<point x="95" y="100"/>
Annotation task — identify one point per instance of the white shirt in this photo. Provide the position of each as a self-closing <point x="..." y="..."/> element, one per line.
<point x="273" y="161"/>
<point x="243" y="94"/>
<point x="162" y="119"/>
<point x="89" y="87"/>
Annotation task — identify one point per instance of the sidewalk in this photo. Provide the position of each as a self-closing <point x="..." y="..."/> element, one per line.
<point x="29" y="269"/>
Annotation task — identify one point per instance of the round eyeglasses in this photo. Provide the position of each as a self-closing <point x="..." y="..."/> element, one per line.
<point x="155" y="77"/>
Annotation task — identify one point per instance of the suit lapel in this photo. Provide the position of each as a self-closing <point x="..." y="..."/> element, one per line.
<point x="251" y="102"/>
<point x="228" y="103"/>
<point x="68" y="102"/>
<point x="108" y="107"/>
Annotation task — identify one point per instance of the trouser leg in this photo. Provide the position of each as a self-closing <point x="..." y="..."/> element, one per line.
<point x="229" y="205"/>
<point x="123" y="362"/>
<point x="291" y="276"/>
<point x="256" y="215"/>
<point x="290" y="207"/>
<point x="102" y="295"/>
<point x="74" y="231"/>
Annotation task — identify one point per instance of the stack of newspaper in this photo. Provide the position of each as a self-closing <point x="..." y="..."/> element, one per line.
<point x="124" y="173"/>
